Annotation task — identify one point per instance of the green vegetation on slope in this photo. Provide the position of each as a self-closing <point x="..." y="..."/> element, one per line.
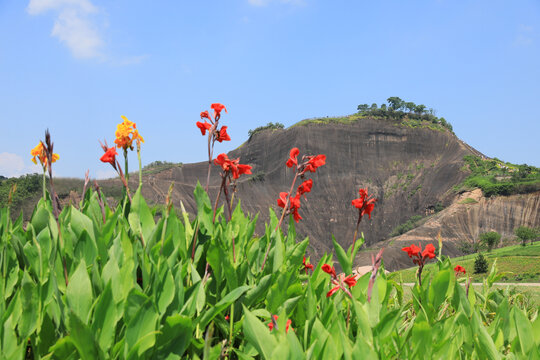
<point x="400" y="112"/>
<point x="496" y="177"/>
<point x="159" y="166"/>
<point x="27" y="186"/>
<point x="269" y="126"/>
<point x="522" y="263"/>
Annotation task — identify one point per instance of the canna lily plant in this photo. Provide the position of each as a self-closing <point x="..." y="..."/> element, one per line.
<point x="77" y="283"/>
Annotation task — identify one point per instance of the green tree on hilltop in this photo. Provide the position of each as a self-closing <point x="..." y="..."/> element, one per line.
<point x="395" y="103"/>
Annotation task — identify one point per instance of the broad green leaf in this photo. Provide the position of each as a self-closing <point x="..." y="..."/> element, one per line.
<point x="143" y="216"/>
<point x="164" y="289"/>
<point x="204" y="209"/>
<point x="175" y="335"/>
<point x="29" y="302"/>
<point x="278" y="250"/>
<point x="64" y="349"/>
<point x="486" y="347"/>
<point x="224" y="303"/>
<point x="83" y="338"/>
<point x="258" y="334"/>
<point x="104" y="323"/>
<point x="343" y="259"/>
<point x="79" y="292"/>
<point x="524" y="331"/>
<point x="439" y="288"/>
<point x="141" y="330"/>
<point x="421" y="338"/>
<point x="257" y="293"/>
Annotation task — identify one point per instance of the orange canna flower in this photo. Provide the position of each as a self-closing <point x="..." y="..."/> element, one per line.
<point x="126" y="133"/>
<point x="40" y="153"/>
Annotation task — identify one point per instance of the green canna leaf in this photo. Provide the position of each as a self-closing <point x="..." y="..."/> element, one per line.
<point x="79" y="292"/>
<point x="83" y="339"/>
<point x="344" y="260"/>
<point x="105" y="318"/>
<point x="258" y="334"/>
<point x="224" y="303"/>
<point x="29" y="301"/>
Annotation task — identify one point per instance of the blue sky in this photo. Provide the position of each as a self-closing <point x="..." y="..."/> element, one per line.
<point x="75" y="66"/>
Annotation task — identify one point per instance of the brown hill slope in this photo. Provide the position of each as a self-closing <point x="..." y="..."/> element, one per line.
<point x="409" y="170"/>
<point x="462" y="222"/>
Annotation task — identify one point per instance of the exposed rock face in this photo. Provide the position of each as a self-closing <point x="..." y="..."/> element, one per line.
<point x="464" y="221"/>
<point x="409" y="170"/>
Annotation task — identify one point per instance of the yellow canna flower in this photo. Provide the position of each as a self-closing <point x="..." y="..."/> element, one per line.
<point x="41" y="154"/>
<point x="126" y="133"/>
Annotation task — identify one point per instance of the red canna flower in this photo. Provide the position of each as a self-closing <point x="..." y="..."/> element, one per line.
<point x="459" y="269"/>
<point x="226" y="317"/>
<point x="223" y="161"/>
<point x="307" y="265"/>
<point x="332" y="291"/>
<point x="293" y="157"/>
<point x="239" y="169"/>
<point x="329" y="269"/>
<point x="232" y="166"/>
<point x="203" y="126"/>
<point x="305" y="187"/>
<point x="217" y="110"/>
<point x="282" y="200"/>
<point x="412" y="250"/>
<point x="364" y="203"/>
<point x="295" y="202"/>
<point x="315" y="162"/>
<point x="296" y="215"/>
<point x="339" y="282"/>
<point x="206" y="115"/>
<point x="109" y="156"/>
<point x="244" y="169"/>
<point x="350" y="280"/>
<point x="429" y="251"/>
<point x="271" y="323"/>
<point x="222" y="135"/>
<point x="420" y="259"/>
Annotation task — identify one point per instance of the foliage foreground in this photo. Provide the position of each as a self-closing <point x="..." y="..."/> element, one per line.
<point x="93" y="282"/>
<point x="133" y="291"/>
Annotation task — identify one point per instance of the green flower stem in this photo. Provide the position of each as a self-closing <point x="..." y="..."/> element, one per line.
<point x="126" y="165"/>
<point x="231" y="328"/>
<point x="44" y="186"/>
<point x="280" y="220"/>
<point x="140" y="166"/>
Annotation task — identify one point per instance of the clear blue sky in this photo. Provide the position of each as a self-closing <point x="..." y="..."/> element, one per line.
<point x="75" y="66"/>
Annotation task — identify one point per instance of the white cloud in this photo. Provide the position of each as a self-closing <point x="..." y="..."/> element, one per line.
<point x="36" y="7"/>
<point x="106" y="174"/>
<point x="12" y="165"/>
<point x="74" y="25"/>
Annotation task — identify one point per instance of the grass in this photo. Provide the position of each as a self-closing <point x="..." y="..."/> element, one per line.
<point x="468" y="201"/>
<point x="159" y="166"/>
<point x="531" y="293"/>
<point x="522" y="263"/>
<point x="349" y="119"/>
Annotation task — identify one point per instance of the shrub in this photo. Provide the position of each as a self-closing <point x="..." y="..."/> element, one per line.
<point x="269" y="126"/>
<point x="480" y="264"/>
<point x="490" y="238"/>
<point x="525" y="233"/>
<point x="406" y="226"/>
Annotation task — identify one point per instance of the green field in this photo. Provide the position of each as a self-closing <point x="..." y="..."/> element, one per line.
<point x="521" y="263"/>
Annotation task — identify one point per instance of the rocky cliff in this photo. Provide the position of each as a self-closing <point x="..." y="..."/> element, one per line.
<point x="409" y="170"/>
<point x="463" y="221"/>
